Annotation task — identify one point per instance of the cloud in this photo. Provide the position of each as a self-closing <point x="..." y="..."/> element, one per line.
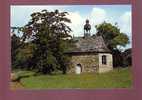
<point x="26" y="11"/>
<point x="75" y="17"/>
<point x="98" y="15"/>
<point x="77" y="22"/>
<point x="126" y="23"/>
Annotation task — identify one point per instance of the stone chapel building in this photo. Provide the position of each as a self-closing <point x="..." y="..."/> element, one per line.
<point x="90" y="54"/>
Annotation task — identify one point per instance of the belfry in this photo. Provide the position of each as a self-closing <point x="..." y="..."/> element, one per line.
<point x="87" y="28"/>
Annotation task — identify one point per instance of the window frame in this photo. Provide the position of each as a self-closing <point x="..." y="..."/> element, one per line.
<point x="104" y="60"/>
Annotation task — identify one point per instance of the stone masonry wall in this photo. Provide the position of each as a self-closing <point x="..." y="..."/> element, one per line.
<point x="89" y="62"/>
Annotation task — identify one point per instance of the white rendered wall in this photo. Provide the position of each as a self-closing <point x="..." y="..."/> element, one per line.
<point x="109" y="64"/>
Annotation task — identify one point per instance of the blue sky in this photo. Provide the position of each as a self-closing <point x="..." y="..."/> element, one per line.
<point x="97" y="14"/>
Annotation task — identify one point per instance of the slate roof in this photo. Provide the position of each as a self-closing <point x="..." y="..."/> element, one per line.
<point x="89" y="44"/>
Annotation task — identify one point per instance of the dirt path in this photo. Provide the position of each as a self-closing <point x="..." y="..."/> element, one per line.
<point x="15" y="85"/>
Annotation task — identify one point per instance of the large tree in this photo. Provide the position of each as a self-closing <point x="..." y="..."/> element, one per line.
<point x="112" y="35"/>
<point x="48" y="31"/>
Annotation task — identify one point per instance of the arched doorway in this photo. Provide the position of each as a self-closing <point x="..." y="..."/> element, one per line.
<point x="78" y="69"/>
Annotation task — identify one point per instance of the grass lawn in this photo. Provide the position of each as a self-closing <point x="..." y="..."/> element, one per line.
<point x="118" y="78"/>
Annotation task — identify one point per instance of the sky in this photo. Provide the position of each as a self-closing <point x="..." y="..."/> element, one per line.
<point x="121" y="14"/>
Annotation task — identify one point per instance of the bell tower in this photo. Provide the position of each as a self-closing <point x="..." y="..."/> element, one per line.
<point x="87" y="28"/>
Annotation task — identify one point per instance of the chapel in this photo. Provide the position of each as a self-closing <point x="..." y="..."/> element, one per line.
<point x="90" y="54"/>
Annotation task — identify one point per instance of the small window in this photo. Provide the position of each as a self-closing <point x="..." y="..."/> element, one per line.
<point x="104" y="60"/>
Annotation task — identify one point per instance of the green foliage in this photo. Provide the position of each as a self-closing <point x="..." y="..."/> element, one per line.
<point x="15" y="44"/>
<point x="24" y="55"/>
<point x="121" y="40"/>
<point x="49" y="33"/>
<point x="112" y="35"/>
<point x="127" y="57"/>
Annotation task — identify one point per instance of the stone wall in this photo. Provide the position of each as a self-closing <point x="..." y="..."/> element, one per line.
<point x="89" y="62"/>
<point x="105" y="67"/>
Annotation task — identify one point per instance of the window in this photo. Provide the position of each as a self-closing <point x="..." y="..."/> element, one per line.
<point x="104" y="60"/>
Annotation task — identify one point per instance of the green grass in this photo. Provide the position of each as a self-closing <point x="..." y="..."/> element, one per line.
<point x="118" y="78"/>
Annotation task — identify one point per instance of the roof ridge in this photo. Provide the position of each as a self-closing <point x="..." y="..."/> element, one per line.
<point x="91" y="44"/>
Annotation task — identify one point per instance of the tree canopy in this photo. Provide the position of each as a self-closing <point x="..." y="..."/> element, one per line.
<point x="112" y="35"/>
<point x="48" y="32"/>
